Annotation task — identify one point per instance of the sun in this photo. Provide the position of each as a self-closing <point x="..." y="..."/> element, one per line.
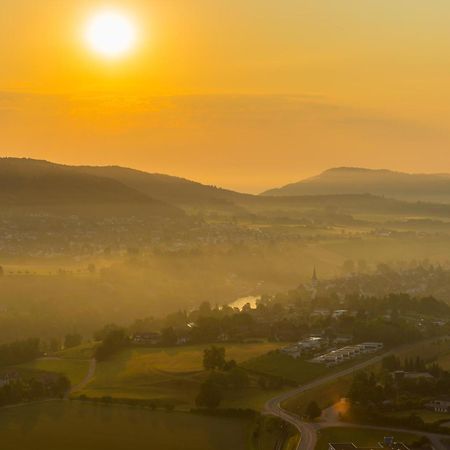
<point x="111" y="34"/>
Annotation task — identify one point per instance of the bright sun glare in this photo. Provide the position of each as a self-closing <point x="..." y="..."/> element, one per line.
<point x="111" y="33"/>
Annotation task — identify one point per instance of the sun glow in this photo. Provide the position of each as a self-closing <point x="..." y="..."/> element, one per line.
<point x="111" y="34"/>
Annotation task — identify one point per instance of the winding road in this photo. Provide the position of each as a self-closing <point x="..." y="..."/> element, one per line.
<point x="308" y="430"/>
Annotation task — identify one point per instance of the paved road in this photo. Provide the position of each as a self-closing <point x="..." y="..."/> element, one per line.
<point x="307" y="430"/>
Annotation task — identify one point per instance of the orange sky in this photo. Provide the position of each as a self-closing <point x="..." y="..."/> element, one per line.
<point x="246" y="94"/>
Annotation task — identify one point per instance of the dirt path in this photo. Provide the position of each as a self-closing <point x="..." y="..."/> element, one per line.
<point x="86" y="380"/>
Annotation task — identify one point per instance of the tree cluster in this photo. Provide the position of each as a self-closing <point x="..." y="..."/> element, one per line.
<point x="34" y="388"/>
<point x="19" y="352"/>
<point x="114" y="341"/>
<point x="224" y="375"/>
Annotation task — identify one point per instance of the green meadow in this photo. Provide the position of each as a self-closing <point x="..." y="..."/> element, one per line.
<point x="74" y="369"/>
<point x="281" y="365"/>
<point x="173" y="374"/>
<point x="427" y="416"/>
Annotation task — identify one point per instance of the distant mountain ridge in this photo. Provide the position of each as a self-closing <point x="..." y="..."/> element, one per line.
<point x="36" y="185"/>
<point x="172" y="189"/>
<point x="381" y="182"/>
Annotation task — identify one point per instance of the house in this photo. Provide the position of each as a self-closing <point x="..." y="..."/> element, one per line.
<point x="371" y="347"/>
<point x="294" y="351"/>
<point x="183" y="340"/>
<point x="343" y="340"/>
<point x="309" y="344"/>
<point x="321" y="313"/>
<point x="339" y="313"/>
<point x="8" y="377"/>
<point x="149" y="338"/>
<point x="339" y="355"/>
<point x="418" y="376"/>
<point x="388" y="443"/>
<point x="441" y="406"/>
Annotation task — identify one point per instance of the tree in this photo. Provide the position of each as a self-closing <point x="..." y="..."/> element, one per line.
<point x="54" y="345"/>
<point x="168" y="336"/>
<point x="214" y="358"/>
<point x="72" y="340"/>
<point x="114" y="341"/>
<point x="391" y="363"/>
<point x="313" y="410"/>
<point x="209" y="396"/>
<point x="238" y="378"/>
<point x="19" y="351"/>
<point x="204" y="309"/>
<point x="101" y="334"/>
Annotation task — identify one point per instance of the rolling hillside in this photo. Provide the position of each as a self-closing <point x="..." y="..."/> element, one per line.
<point x="349" y="180"/>
<point x="175" y="190"/>
<point x="28" y="183"/>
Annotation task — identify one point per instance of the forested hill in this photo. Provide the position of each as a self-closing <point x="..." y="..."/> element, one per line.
<point x="32" y="183"/>
<point x="113" y="190"/>
<point x="350" y="180"/>
<point x="175" y="190"/>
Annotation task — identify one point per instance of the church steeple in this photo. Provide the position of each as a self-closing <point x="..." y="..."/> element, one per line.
<point x="314" y="279"/>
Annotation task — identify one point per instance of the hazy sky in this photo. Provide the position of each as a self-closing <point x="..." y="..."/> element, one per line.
<point x="246" y="94"/>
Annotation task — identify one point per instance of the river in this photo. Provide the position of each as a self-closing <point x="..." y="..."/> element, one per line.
<point x="240" y="302"/>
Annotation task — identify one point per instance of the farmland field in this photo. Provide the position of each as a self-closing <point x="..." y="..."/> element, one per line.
<point x="325" y="395"/>
<point x="360" y="436"/>
<point x="282" y="365"/>
<point x="427" y="416"/>
<point x="172" y="373"/>
<point x="74" y="425"/>
<point x="83" y="351"/>
<point x="74" y="369"/>
<point x="444" y="362"/>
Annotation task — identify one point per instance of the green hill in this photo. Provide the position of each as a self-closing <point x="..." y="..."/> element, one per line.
<point x="41" y="185"/>
<point x="175" y="190"/>
<point x="351" y="180"/>
<point x="339" y="195"/>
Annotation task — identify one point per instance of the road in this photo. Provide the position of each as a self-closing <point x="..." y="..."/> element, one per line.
<point x="308" y="430"/>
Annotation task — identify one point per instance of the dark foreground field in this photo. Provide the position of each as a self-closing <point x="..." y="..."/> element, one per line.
<point x="68" y="425"/>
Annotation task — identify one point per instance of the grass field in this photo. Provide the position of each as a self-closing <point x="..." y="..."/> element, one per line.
<point x="325" y="395"/>
<point x="444" y="362"/>
<point x="438" y="349"/>
<point x="360" y="436"/>
<point x="282" y="365"/>
<point x="83" y="351"/>
<point x="170" y="373"/>
<point x="74" y="425"/>
<point x="427" y="415"/>
<point x="74" y="369"/>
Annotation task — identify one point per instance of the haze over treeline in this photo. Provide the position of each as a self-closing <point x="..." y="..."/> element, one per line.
<point x="86" y="245"/>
